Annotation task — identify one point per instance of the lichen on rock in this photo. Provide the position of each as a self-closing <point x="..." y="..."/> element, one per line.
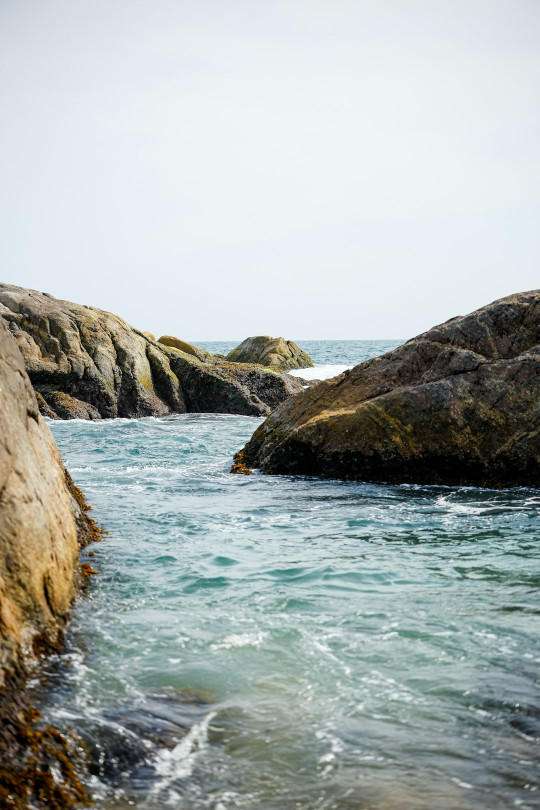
<point x="268" y="351"/>
<point x="87" y="363"/>
<point x="459" y="404"/>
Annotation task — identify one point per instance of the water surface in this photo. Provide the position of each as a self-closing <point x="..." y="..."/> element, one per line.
<point x="280" y="642"/>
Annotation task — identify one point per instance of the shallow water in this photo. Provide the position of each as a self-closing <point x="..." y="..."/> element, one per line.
<point x="279" y="642"/>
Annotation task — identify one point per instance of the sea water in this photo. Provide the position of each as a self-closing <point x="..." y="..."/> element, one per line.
<point x="279" y="642"/>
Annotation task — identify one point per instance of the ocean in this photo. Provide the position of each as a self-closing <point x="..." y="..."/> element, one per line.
<point x="281" y="642"/>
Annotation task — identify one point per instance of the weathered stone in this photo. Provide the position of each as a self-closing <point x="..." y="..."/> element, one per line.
<point x="66" y="407"/>
<point x="460" y="404"/>
<point x="43" y="524"/>
<point x="39" y="519"/>
<point x="149" y="335"/>
<point x="269" y="351"/>
<point x="108" y="368"/>
<point x="184" y="346"/>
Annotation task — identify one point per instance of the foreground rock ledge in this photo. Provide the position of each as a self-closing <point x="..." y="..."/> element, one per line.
<point x="459" y="404"/>
<point x="43" y="525"/>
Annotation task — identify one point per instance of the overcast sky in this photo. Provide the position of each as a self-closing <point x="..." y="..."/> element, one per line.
<point x="306" y="168"/>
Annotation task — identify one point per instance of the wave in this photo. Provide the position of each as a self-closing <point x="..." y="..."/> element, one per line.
<point x="323" y="372"/>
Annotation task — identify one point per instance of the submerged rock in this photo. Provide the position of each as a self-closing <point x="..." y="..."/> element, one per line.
<point x="87" y="363"/>
<point x="269" y="351"/>
<point x="459" y="404"/>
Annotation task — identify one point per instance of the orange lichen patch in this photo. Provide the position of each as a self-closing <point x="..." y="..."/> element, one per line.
<point x="89" y="531"/>
<point x="238" y="467"/>
<point x="87" y="569"/>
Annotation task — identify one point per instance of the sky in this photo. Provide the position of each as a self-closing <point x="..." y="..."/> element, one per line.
<point x="213" y="169"/>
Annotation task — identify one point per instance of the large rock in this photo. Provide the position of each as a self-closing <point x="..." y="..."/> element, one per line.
<point x="184" y="346"/>
<point x="43" y="524"/>
<point x="459" y="404"/>
<point x="269" y="351"/>
<point x="88" y="363"/>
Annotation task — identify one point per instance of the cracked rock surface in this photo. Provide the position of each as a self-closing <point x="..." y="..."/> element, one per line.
<point x="459" y="404"/>
<point x="87" y="363"/>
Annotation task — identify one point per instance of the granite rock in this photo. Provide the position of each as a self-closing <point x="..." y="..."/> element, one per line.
<point x="269" y="351"/>
<point x="459" y="404"/>
<point x="108" y="369"/>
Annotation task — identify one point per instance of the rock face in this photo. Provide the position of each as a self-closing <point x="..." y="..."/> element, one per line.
<point x="42" y="527"/>
<point x="460" y="404"/>
<point x="268" y="351"/>
<point x="42" y="521"/>
<point x="88" y="363"/>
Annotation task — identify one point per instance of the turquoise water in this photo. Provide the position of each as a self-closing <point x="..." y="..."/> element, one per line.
<point x="279" y="642"/>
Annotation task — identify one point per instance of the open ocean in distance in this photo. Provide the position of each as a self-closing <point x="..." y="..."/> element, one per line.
<point x="273" y="643"/>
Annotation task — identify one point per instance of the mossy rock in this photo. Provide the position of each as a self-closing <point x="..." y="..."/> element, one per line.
<point x="268" y="351"/>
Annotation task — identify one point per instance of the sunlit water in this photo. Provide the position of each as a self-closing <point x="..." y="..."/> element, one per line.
<point x="279" y="642"/>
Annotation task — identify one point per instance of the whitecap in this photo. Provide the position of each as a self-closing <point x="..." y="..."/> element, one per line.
<point x="323" y="372"/>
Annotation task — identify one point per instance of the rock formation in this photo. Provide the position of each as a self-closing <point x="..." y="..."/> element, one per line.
<point x="43" y="524"/>
<point x="184" y="346"/>
<point x="459" y="404"/>
<point x="88" y="363"/>
<point x="268" y="351"/>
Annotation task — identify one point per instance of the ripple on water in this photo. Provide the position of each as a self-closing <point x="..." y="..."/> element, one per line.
<point x="325" y="644"/>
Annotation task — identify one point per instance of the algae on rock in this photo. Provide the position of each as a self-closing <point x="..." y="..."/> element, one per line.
<point x="459" y="404"/>
<point x="269" y="351"/>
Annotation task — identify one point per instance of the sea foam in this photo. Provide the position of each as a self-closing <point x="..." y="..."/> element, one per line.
<point x="323" y="372"/>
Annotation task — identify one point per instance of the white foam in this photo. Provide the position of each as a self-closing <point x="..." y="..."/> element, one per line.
<point x="324" y="372"/>
<point x="178" y="763"/>
<point x="240" y="640"/>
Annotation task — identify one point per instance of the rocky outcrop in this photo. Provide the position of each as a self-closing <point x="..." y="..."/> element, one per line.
<point x="43" y="524"/>
<point x="269" y="351"/>
<point x="460" y="404"/>
<point x="87" y="363"/>
<point x="184" y="346"/>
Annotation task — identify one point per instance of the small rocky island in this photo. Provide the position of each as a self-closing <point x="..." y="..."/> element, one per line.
<point x="86" y="363"/>
<point x="269" y="351"/>
<point x="459" y="404"/>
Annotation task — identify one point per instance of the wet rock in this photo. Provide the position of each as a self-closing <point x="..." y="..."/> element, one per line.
<point x="124" y="745"/>
<point x="84" y="361"/>
<point x="459" y="404"/>
<point x="269" y="351"/>
<point x="66" y="407"/>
